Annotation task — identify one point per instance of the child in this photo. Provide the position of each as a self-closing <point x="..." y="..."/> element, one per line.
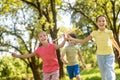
<point x="47" y="52"/>
<point x="104" y="40"/>
<point x="72" y="52"/>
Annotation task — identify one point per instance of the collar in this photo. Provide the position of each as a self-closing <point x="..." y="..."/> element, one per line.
<point x="103" y="30"/>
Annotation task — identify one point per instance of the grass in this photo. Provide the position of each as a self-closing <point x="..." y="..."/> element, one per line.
<point x="90" y="74"/>
<point x="93" y="74"/>
<point x="86" y="74"/>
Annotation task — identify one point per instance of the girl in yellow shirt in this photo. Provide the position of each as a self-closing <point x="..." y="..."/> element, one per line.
<point x="104" y="40"/>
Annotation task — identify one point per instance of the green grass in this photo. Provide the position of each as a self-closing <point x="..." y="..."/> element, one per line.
<point x="90" y="74"/>
<point x="93" y="74"/>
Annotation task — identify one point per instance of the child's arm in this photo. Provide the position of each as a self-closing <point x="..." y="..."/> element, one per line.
<point x="62" y="58"/>
<point x="62" y="44"/>
<point x="116" y="46"/>
<point x="23" y="56"/>
<point x="80" y="40"/>
<point x="81" y="58"/>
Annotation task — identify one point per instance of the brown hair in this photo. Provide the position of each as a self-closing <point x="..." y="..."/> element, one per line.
<point x="101" y="16"/>
<point x="72" y="35"/>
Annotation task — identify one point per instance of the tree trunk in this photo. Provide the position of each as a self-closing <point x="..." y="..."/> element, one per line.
<point x="118" y="60"/>
<point x="36" y="72"/>
<point x="116" y="35"/>
<point x="116" y="57"/>
<point x="61" y="64"/>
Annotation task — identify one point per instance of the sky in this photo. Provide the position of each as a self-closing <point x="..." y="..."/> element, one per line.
<point x="65" y="21"/>
<point x="66" y="17"/>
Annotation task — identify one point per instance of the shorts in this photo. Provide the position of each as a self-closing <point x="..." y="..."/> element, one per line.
<point x="73" y="71"/>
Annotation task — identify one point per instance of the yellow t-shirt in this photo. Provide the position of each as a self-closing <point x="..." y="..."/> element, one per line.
<point x="102" y="39"/>
<point x="72" y="54"/>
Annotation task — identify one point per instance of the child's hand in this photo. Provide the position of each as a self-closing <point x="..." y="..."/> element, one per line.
<point x="65" y="62"/>
<point x="119" y="55"/>
<point x="68" y="36"/>
<point x="65" y="36"/>
<point x="84" y="65"/>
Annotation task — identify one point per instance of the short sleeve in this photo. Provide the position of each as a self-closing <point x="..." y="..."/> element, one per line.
<point x="111" y="34"/>
<point x="77" y="47"/>
<point x="93" y="34"/>
<point x="36" y="51"/>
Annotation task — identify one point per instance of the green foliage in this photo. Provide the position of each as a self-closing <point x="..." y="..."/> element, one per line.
<point x="89" y="57"/>
<point x="10" y="67"/>
<point x="9" y="6"/>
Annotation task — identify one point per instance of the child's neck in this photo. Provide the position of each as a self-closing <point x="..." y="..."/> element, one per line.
<point x="102" y="29"/>
<point x="71" y="44"/>
<point x="45" y="44"/>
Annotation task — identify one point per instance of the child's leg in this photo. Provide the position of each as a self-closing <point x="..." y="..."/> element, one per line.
<point x="110" y="67"/>
<point x="78" y="77"/>
<point x="55" y="75"/>
<point x="51" y="75"/>
<point x="77" y="71"/>
<point x="46" y="76"/>
<point x="70" y="72"/>
<point x="101" y="64"/>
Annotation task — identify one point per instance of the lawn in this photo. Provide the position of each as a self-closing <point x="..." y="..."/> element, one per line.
<point x="93" y="74"/>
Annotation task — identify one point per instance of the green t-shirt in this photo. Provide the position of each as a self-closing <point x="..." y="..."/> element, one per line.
<point x="72" y="54"/>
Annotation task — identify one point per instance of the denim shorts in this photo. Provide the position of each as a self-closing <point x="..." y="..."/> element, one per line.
<point x="73" y="70"/>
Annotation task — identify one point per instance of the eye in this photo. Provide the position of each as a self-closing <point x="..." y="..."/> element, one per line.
<point x="103" y="21"/>
<point x="99" y="21"/>
<point x="40" y="36"/>
<point x="44" y="35"/>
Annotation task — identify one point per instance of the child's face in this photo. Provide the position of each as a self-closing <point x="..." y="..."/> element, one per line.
<point x="101" y="23"/>
<point x="71" y="42"/>
<point x="43" y="37"/>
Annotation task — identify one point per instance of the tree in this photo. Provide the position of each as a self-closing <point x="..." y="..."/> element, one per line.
<point x="11" y="68"/>
<point x="19" y="35"/>
<point x="42" y="16"/>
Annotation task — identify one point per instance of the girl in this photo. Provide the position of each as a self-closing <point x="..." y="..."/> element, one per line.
<point x="47" y="52"/>
<point x="105" y="55"/>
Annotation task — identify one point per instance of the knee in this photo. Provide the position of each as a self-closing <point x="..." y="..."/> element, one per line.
<point x="78" y="77"/>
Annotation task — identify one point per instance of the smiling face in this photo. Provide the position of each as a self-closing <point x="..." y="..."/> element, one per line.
<point x="70" y="41"/>
<point x="43" y="38"/>
<point x="101" y="22"/>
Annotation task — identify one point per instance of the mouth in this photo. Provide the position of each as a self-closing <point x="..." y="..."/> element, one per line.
<point x="43" y="39"/>
<point x="101" y="26"/>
